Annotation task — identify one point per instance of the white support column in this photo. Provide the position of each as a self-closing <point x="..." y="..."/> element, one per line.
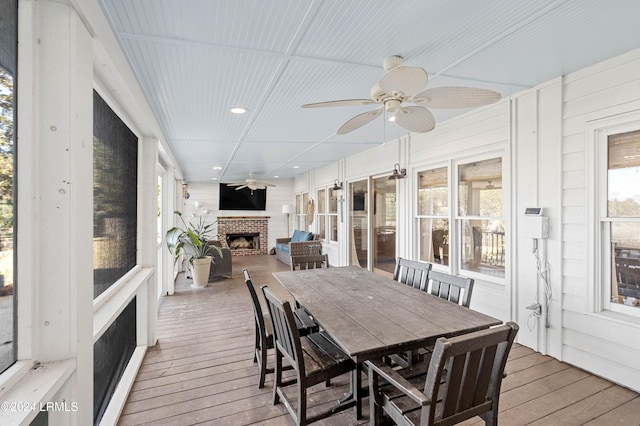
<point x="147" y="242"/>
<point x="172" y="193"/>
<point x="55" y="256"/>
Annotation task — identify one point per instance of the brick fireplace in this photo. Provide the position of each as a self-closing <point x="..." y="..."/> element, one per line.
<point x="253" y="229"/>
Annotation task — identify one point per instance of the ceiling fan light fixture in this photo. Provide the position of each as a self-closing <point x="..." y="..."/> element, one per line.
<point x="392" y="105"/>
<point x="397" y="172"/>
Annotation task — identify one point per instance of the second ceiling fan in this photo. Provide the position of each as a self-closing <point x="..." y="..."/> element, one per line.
<point x="404" y="84"/>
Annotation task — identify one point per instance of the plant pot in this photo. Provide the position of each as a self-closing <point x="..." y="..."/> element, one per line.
<point x="200" y="272"/>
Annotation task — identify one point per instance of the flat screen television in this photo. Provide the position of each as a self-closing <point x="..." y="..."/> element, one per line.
<point x="232" y="198"/>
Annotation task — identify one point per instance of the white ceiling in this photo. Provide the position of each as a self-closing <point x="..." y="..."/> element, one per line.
<point x="195" y="59"/>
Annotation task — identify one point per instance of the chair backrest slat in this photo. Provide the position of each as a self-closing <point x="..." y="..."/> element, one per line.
<point x="453" y="288"/>
<point x="287" y="337"/>
<point x="257" y="309"/>
<point x="472" y="366"/>
<point x="411" y="273"/>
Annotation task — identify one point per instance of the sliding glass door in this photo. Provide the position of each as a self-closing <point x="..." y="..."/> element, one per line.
<point x="384" y="219"/>
<point x="359" y="223"/>
<point x="372" y="216"/>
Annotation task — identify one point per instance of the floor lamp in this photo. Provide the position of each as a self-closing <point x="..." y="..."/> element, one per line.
<point x="287" y="210"/>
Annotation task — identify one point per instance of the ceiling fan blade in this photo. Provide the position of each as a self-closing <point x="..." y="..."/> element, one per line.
<point x="359" y="121"/>
<point x="405" y="79"/>
<point x="456" y="97"/>
<point x="235" y="184"/>
<point x="416" y="118"/>
<point x="344" y="102"/>
<point x="241" y="186"/>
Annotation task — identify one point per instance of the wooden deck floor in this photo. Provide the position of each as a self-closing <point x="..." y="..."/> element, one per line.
<point x="201" y="370"/>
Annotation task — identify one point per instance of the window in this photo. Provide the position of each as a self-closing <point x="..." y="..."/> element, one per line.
<point x="301" y="211"/>
<point x="8" y="64"/>
<point x="332" y="214"/>
<point x="621" y="222"/>
<point x="433" y="215"/>
<point x="467" y="194"/>
<point x="327" y="214"/>
<point x="322" y="213"/>
<point x="480" y="219"/>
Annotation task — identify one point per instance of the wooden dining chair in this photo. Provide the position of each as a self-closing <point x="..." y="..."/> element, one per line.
<point x="264" y="329"/>
<point x="411" y="272"/>
<point x="315" y="359"/>
<point x="299" y="263"/>
<point x="454" y="288"/>
<point x="462" y="381"/>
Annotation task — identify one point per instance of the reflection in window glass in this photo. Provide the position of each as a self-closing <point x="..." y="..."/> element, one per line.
<point x="321" y="213"/>
<point x="333" y="214"/>
<point x="433" y="194"/>
<point x="8" y="63"/>
<point x="333" y="201"/>
<point x="359" y="224"/>
<point x="481" y="222"/>
<point x="623" y="210"/>
<point x="304" y="218"/>
<point x="433" y="210"/>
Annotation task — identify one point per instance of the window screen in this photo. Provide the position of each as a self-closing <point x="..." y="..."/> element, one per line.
<point x="111" y="354"/>
<point x="8" y="116"/>
<point x="115" y="182"/>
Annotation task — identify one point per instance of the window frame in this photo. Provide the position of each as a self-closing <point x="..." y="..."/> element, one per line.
<point x="458" y="219"/>
<point x="419" y="217"/>
<point x="321" y="213"/>
<point x="324" y="214"/>
<point x="599" y="252"/>
<point x="300" y="210"/>
<point x="455" y="244"/>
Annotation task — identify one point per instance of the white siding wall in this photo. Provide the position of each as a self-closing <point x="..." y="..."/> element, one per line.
<point x="605" y="345"/>
<point x="483" y="131"/>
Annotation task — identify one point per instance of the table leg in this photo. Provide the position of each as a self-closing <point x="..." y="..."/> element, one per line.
<point x="356" y="389"/>
<point x="356" y="393"/>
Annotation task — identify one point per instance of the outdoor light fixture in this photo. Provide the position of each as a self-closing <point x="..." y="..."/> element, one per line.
<point x="337" y="186"/>
<point x="398" y="173"/>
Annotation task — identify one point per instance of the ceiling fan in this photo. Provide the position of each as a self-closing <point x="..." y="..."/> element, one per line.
<point x="403" y="84"/>
<point x="251" y="183"/>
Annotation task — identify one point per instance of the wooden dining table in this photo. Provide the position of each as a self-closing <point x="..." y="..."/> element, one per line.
<point x="370" y="315"/>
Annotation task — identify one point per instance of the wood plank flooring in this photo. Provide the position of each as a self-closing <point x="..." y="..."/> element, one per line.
<point x="201" y="371"/>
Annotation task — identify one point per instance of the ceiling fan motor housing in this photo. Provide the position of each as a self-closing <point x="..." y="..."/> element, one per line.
<point x="391" y="62"/>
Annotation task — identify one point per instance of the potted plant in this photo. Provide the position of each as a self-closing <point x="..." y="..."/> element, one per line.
<point x="191" y="241"/>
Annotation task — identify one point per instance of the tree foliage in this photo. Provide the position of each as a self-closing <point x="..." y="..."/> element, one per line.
<point x="6" y="148"/>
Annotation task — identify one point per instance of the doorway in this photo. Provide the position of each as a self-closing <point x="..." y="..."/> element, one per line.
<point x="372" y="216"/>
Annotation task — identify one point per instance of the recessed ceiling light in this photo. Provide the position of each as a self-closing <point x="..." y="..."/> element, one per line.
<point x="296" y="167"/>
<point x="214" y="178"/>
<point x="276" y="177"/>
<point x="238" y="110"/>
<point x="217" y="168"/>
